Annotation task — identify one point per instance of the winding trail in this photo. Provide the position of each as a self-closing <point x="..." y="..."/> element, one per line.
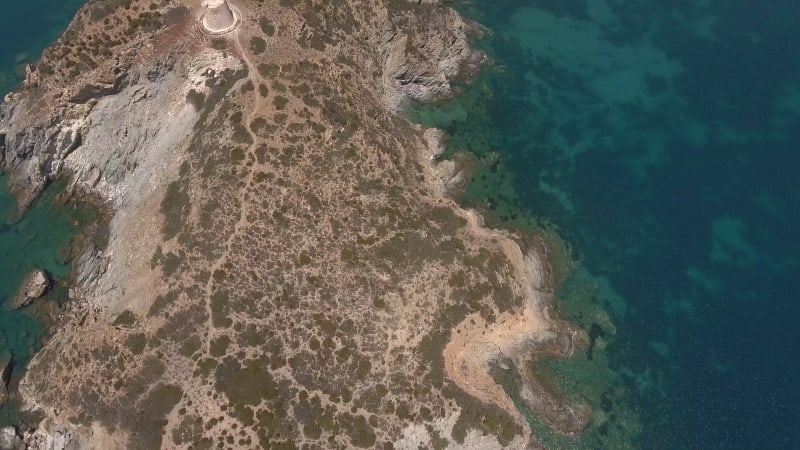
<point x="255" y="79"/>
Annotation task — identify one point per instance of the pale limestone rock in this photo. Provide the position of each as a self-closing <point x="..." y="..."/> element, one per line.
<point x="9" y="439"/>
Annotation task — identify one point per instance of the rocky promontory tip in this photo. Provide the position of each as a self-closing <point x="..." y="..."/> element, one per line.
<point x="284" y="268"/>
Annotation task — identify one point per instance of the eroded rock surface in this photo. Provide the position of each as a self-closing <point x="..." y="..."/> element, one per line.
<point x="34" y="287"/>
<point x="284" y="268"/>
<point x="9" y="440"/>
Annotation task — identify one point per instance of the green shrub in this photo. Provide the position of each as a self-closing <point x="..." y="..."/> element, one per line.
<point x="266" y="26"/>
<point x="258" y="45"/>
<point x="280" y="102"/>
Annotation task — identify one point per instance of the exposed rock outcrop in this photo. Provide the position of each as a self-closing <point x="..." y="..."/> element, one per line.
<point x="9" y="440"/>
<point x="34" y="287"/>
<point x="51" y="436"/>
<point x="420" y="66"/>
<point x="282" y="250"/>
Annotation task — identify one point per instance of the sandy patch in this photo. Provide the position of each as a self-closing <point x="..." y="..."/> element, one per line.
<point x="475" y="343"/>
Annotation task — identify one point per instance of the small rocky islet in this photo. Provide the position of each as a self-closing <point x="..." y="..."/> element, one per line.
<point x="286" y="266"/>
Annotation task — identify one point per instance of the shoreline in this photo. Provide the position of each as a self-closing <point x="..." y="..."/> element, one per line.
<point x="524" y="270"/>
<point x="49" y="305"/>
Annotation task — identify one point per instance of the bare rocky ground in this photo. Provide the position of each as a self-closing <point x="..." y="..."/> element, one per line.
<point x="285" y="267"/>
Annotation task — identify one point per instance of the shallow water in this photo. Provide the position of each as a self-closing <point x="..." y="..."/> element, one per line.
<point x="40" y="239"/>
<point x="29" y="27"/>
<point x="659" y="139"/>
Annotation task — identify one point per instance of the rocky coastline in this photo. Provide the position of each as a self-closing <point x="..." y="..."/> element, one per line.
<point x="285" y="263"/>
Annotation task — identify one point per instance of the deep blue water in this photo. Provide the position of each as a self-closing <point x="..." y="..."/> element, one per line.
<point x="661" y="140"/>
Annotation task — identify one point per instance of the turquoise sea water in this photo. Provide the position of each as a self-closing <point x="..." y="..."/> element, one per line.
<point x="40" y="239"/>
<point x="661" y="140"/>
<point x="29" y="27"/>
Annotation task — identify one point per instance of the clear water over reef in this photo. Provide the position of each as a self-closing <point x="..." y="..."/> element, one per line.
<point x="660" y="140"/>
<point x="40" y="239"/>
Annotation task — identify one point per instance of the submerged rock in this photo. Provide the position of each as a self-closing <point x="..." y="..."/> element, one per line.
<point x="35" y="286"/>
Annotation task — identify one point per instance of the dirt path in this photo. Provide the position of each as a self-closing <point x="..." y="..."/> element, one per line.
<point x="255" y="79"/>
<point x="475" y="343"/>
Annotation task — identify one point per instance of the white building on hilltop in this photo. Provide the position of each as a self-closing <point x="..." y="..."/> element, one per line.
<point x="219" y="17"/>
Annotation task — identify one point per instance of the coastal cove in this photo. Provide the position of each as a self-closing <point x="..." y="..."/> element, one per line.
<point x="41" y="238"/>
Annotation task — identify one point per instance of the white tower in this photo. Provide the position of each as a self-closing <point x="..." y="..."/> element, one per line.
<point x="219" y="17"/>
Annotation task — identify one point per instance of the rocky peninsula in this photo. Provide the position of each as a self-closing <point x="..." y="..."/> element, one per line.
<point x="285" y="264"/>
